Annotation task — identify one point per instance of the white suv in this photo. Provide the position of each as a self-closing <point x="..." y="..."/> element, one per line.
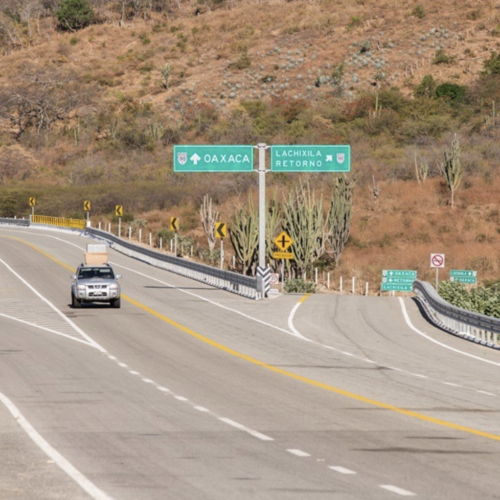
<point x="95" y="283"/>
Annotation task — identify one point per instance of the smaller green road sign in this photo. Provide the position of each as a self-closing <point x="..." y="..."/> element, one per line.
<point x="392" y="287"/>
<point x="398" y="280"/>
<point x="213" y="158"/>
<point x="311" y="158"/>
<point x="463" y="276"/>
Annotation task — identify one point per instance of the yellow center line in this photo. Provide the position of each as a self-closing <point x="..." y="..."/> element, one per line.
<point x="306" y="380"/>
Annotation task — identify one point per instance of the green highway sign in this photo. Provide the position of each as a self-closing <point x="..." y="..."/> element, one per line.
<point x="463" y="276"/>
<point x="397" y="280"/>
<point x="311" y="158"/>
<point x="391" y="287"/>
<point x="201" y="158"/>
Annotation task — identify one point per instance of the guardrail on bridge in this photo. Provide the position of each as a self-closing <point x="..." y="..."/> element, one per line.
<point x="472" y="326"/>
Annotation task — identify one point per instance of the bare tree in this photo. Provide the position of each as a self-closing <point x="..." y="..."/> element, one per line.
<point x="208" y="219"/>
<point x="41" y="97"/>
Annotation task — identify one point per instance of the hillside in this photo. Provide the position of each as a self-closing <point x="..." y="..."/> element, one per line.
<point x="94" y="114"/>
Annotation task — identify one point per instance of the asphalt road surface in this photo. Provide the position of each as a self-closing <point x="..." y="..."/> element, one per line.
<point x="189" y="392"/>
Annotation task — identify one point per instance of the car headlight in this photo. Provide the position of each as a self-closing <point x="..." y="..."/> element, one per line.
<point x="113" y="287"/>
<point x="80" y="287"/>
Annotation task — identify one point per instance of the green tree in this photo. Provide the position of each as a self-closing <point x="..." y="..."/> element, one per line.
<point x="492" y="65"/>
<point x="455" y="93"/>
<point x="74" y="15"/>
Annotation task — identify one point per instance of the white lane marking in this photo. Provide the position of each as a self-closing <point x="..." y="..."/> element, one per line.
<point x="398" y="491"/>
<point x="418" y="375"/>
<point x="112" y="357"/>
<point x="298" y="453"/>
<point x="292" y="327"/>
<point x="123" y="365"/>
<point x="133" y="372"/>
<point x="256" y="434"/>
<point x="410" y="324"/>
<point x="163" y="389"/>
<point x="200" y="408"/>
<point x="452" y="384"/>
<point x="487" y="393"/>
<point x="181" y="398"/>
<point x="148" y="381"/>
<point x="90" y="341"/>
<point x="53" y="454"/>
<point x="341" y="470"/>
<point x="46" y="329"/>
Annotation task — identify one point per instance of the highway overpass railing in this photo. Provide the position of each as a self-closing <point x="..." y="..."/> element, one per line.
<point x="219" y="278"/>
<point x="472" y="326"/>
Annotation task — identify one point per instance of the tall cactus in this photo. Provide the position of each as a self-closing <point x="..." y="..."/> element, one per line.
<point x="451" y="168"/>
<point x="303" y="221"/>
<point x="338" y="226"/>
<point x="208" y="219"/>
<point x="244" y="236"/>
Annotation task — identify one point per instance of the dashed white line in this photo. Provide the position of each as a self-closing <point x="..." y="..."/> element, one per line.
<point x="256" y="434"/>
<point x="486" y="392"/>
<point x="201" y="408"/>
<point x="123" y="365"/>
<point x="418" y="375"/>
<point x="341" y="470"/>
<point x="452" y="384"/>
<point x="148" y="381"/>
<point x="398" y="491"/>
<point x="133" y="372"/>
<point x="298" y="453"/>
<point x="181" y="398"/>
<point x="163" y="389"/>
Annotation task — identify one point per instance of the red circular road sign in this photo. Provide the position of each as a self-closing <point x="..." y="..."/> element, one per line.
<point x="437" y="260"/>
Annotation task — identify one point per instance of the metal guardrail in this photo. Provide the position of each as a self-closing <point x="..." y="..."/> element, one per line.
<point x="14" y="222"/>
<point x="472" y="326"/>
<point x="226" y="280"/>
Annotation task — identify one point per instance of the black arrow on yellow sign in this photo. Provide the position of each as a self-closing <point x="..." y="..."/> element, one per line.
<point x="86" y="206"/>
<point x="173" y="224"/>
<point x="118" y="210"/>
<point x="220" y="230"/>
<point x="32" y="201"/>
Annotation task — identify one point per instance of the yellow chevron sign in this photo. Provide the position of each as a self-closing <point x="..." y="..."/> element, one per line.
<point x="119" y="210"/>
<point x="220" y="230"/>
<point x="86" y="206"/>
<point x="32" y="201"/>
<point x="174" y="224"/>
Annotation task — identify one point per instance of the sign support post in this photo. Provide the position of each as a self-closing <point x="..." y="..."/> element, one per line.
<point x="262" y="214"/>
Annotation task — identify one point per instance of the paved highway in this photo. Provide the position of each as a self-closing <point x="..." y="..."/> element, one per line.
<point x="188" y="392"/>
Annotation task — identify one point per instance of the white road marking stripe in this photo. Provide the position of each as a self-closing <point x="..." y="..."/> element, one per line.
<point x="256" y="434"/>
<point x="452" y="384"/>
<point x="181" y="398"/>
<point x="91" y="342"/>
<point x="47" y="329"/>
<point x="201" y="408"/>
<point x="133" y="372"/>
<point x="399" y="491"/>
<point x="54" y="455"/>
<point x="112" y="357"/>
<point x="341" y="470"/>
<point x="163" y="389"/>
<point x="418" y="375"/>
<point x="123" y="365"/>
<point x="148" y="381"/>
<point x="487" y="393"/>
<point x="298" y="453"/>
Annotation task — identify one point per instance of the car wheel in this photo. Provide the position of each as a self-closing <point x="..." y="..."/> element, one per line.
<point x="116" y="303"/>
<point x="75" y="302"/>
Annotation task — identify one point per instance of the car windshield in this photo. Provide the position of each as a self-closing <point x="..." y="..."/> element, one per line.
<point x="87" y="273"/>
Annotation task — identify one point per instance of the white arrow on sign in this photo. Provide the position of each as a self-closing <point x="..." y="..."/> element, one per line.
<point x="329" y="157"/>
<point x="195" y="159"/>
